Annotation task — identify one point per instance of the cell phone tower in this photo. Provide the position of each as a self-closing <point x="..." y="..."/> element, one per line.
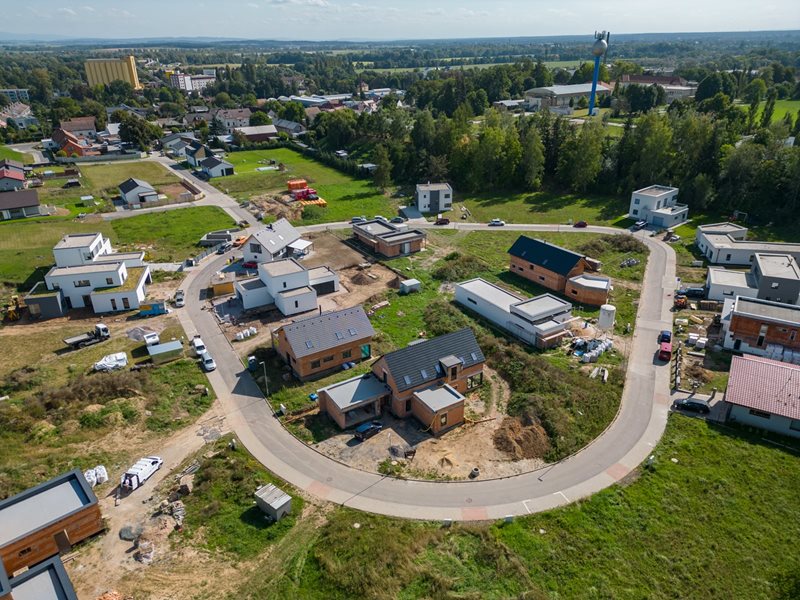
<point x="599" y="49"/>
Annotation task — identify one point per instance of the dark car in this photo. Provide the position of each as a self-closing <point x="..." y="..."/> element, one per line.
<point x="692" y="292"/>
<point x="693" y="405"/>
<point x="367" y="430"/>
<point x="358" y="220"/>
<point x="442" y="221"/>
<point x="223" y="248"/>
<point x="665" y="336"/>
<point x="251" y="264"/>
<point x="397" y="220"/>
<point x="581" y="224"/>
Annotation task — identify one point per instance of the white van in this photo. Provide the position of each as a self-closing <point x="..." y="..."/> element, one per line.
<point x="144" y="468"/>
<point x="198" y="347"/>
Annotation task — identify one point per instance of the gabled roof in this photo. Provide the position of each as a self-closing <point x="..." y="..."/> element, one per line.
<point x="131" y="184"/>
<point x="418" y="363"/>
<point x="213" y="161"/>
<point x="766" y="385"/>
<point x="12" y="174"/>
<point x="78" y="124"/>
<point x="19" y="199"/>
<point x="328" y="330"/>
<point x="195" y="147"/>
<point x="276" y="236"/>
<point x="286" y="124"/>
<point x="553" y="258"/>
<point x="233" y="113"/>
<point x="7" y="163"/>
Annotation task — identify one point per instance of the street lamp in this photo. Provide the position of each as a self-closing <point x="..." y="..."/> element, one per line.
<point x="266" y="380"/>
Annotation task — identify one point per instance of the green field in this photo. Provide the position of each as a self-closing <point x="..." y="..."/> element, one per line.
<point x="781" y="108"/>
<point x="345" y="195"/>
<point x="369" y="66"/>
<point x="11" y="154"/>
<point x="720" y="522"/>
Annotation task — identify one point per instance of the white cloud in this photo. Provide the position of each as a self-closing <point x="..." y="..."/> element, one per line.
<point x="67" y="12"/>
<point x="318" y="3"/>
<point x="87" y="8"/>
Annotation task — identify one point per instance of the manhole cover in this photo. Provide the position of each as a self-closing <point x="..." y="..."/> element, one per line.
<point x="469" y="500"/>
<point x="329" y="479"/>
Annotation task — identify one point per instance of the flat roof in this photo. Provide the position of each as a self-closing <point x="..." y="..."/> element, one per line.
<point x="46" y="581"/>
<point x="273" y="495"/>
<point x="46" y="503"/>
<point x="251" y="284"/>
<point x="721" y="276"/>
<point x="375" y="227"/>
<point x="436" y="399"/>
<point x="589" y="281"/>
<point x="782" y="266"/>
<point x="76" y="240"/>
<point x="301" y="291"/>
<point x="491" y="293"/>
<point x="157" y="349"/>
<point x="356" y="391"/>
<point x="118" y="257"/>
<point x="721" y="228"/>
<point x="721" y="240"/>
<point x="774" y="311"/>
<point x="402" y="236"/>
<point x="543" y="305"/>
<point x="287" y="266"/>
<point x="432" y="187"/>
<point x="85" y="269"/>
<point x="656" y="190"/>
<point x="321" y="271"/>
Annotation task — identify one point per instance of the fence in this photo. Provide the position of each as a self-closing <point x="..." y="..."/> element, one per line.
<point x="101" y="158"/>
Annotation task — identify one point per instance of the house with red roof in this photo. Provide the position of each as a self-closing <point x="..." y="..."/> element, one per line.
<point x="11" y="179"/>
<point x="764" y="394"/>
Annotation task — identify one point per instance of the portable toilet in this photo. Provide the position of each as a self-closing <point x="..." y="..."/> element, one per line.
<point x="252" y="363"/>
<point x="275" y="503"/>
<point x="408" y="286"/>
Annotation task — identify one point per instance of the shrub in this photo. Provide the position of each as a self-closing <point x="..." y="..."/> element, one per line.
<point x="456" y="267"/>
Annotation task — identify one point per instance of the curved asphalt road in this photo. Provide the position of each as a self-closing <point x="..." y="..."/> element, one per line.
<point x="625" y="443"/>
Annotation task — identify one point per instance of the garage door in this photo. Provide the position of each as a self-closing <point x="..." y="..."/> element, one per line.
<point x="658" y="221"/>
<point x="326" y="287"/>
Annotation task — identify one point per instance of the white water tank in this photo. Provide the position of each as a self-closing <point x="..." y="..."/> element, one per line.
<point x="608" y="313"/>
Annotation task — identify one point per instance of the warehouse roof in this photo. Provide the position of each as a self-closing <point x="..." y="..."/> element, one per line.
<point x="553" y="258"/>
<point x="766" y="385"/>
<point x="328" y="330"/>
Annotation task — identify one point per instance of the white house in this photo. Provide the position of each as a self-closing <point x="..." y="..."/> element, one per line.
<point x="288" y="285"/>
<point x="232" y="118"/>
<point x="216" y="167"/>
<point x="771" y="277"/>
<point x="136" y="191"/>
<point x="658" y="205"/>
<point x="541" y="321"/>
<point x="89" y="273"/>
<point x="277" y="240"/>
<point x="433" y="197"/>
<point x="727" y="244"/>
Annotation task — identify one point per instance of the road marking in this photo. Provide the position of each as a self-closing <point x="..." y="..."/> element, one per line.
<point x="525" y="504"/>
<point x="563" y="495"/>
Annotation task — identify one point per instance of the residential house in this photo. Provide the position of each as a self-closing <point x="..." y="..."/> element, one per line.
<point x="133" y="111"/>
<point x="80" y="126"/>
<point x="171" y="140"/>
<point x="135" y="192"/>
<point x="542" y="321"/>
<point x="73" y="145"/>
<point x="290" y="128"/>
<point x="258" y="133"/>
<point x="11" y="178"/>
<point x="196" y="153"/>
<point x="45" y="580"/>
<point x="658" y="206"/>
<point x="216" y="167"/>
<point x="510" y="105"/>
<point x="388" y="239"/>
<point x="559" y="269"/>
<point x="273" y="242"/>
<point x="47" y="520"/>
<point x="761" y="327"/>
<point x="771" y="277"/>
<point x="426" y="379"/>
<point x="19" y="204"/>
<point x="89" y="273"/>
<point x="764" y="394"/>
<point x="19" y="115"/>
<point x="323" y="343"/>
<point x="727" y="243"/>
<point x="287" y="285"/>
<point x="561" y="98"/>
<point x="232" y="118"/>
<point x="194" y="119"/>
<point x="433" y="197"/>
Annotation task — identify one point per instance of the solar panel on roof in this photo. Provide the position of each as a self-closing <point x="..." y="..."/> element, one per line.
<point x="474" y="355"/>
<point x="309" y="344"/>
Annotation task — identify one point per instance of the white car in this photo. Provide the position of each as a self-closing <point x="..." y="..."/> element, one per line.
<point x="496" y="223"/>
<point x="179" y="299"/>
<point x="140" y="472"/>
<point x="198" y="346"/>
<point x="207" y="362"/>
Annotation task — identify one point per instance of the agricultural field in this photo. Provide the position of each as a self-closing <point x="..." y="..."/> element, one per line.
<point x="782" y="107"/>
<point x="11" y="154"/>
<point x="345" y="195"/>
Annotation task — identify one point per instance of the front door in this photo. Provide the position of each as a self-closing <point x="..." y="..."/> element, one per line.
<point x="87" y="300"/>
<point x="366" y="351"/>
<point x="113" y="304"/>
<point x="435" y="202"/>
<point x="62" y="541"/>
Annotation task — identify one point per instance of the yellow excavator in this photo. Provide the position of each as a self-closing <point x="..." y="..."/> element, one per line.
<point x="13" y="310"/>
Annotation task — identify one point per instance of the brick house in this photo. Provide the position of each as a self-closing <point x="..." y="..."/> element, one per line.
<point x="388" y="240"/>
<point x="761" y="327"/>
<point x="320" y="344"/>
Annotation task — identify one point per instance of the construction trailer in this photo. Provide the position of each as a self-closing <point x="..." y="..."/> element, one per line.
<point x="163" y="353"/>
<point x="47" y="520"/>
<point x="273" y="501"/>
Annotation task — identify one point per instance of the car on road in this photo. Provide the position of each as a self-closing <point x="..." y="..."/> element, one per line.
<point x="239" y="241"/>
<point x="197" y="345"/>
<point x="207" y="362"/>
<point x="397" y="220"/>
<point x="496" y="223"/>
<point x="695" y="405"/>
<point x="180" y="299"/>
<point x="380" y="218"/>
<point x="665" y="336"/>
<point x="442" y="221"/>
<point x="580" y="224"/>
<point x="223" y="248"/>
<point x="250" y="264"/>
<point x="356" y="220"/>
<point x="367" y="430"/>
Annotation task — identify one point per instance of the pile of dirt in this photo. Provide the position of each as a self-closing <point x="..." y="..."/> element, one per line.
<point x="360" y="279"/>
<point x="394" y="283"/>
<point x="521" y="439"/>
<point x="697" y="372"/>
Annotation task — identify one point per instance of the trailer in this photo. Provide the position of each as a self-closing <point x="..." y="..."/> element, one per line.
<point x="99" y="334"/>
<point x="153" y="309"/>
<point x="143" y="470"/>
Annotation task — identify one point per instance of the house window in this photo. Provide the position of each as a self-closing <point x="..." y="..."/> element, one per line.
<point x="530" y="267"/>
<point x="635" y="211"/>
<point x="727" y="257"/>
<point x="775" y="285"/>
<point x="636" y="201"/>
<point x="453" y="372"/>
<point x="443" y="420"/>
<point x="126" y="304"/>
<point x="81" y="283"/>
<point x="109" y="281"/>
<point x="296" y="304"/>
<point x="408" y="405"/>
<point x="315" y="364"/>
<point x="761" y="335"/>
<point x="794" y="425"/>
<point x="575" y="292"/>
<point x="284" y="285"/>
<point x="347" y="354"/>
<point x="759" y="413"/>
<point x="255" y="248"/>
<point x="472" y="301"/>
<point x="113" y="304"/>
<point x="792" y="335"/>
<point x="541" y="278"/>
<point x="328" y="358"/>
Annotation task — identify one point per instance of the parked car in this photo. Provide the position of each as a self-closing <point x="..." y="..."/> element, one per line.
<point x="355" y="220"/>
<point x="580" y="224"/>
<point x="639" y="225"/>
<point x="224" y="247"/>
<point x="442" y="221"/>
<point x="665" y="351"/>
<point x="197" y="345"/>
<point x="692" y="292"/>
<point x="664" y="336"/>
<point x="381" y="218"/>
<point x="693" y="405"/>
<point x="180" y="300"/>
<point x="207" y="362"/>
<point x="239" y="241"/>
<point x="250" y="264"/>
<point x="397" y="220"/>
<point x="496" y="223"/>
<point x="140" y="472"/>
<point x="367" y="430"/>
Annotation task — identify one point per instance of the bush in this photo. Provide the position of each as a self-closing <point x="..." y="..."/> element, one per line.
<point x="457" y="267"/>
<point x="313" y="213"/>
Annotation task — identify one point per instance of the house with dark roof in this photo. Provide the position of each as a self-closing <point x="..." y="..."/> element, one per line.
<point x="197" y="152"/>
<point x="426" y="379"/>
<point x="291" y="128"/>
<point x="388" y="239"/>
<point x="19" y="204"/>
<point x="47" y="580"/>
<point x="765" y="394"/>
<point x="558" y="269"/>
<point x="216" y="167"/>
<point x="135" y="192"/>
<point x="272" y="242"/>
<point x="317" y="345"/>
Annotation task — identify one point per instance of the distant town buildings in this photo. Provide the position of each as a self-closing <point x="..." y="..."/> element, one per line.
<point x="102" y="71"/>
<point x="561" y="98"/>
<point x="19" y="115"/>
<point x="16" y="94"/>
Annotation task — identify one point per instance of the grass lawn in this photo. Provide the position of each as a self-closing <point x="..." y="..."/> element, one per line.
<point x="346" y="196"/>
<point x="781" y="108"/>
<point x="11" y="154"/>
<point x="718" y="523"/>
<point x="170" y="235"/>
<point x="545" y="207"/>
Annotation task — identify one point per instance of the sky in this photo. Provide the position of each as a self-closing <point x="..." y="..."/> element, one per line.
<point x="390" y="19"/>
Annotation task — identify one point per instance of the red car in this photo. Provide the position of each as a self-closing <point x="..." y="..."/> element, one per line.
<point x="250" y="265"/>
<point x="581" y="224"/>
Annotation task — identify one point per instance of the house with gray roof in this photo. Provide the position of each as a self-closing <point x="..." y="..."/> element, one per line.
<point x="273" y="242"/>
<point x="320" y="344"/>
<point x="216" y="167"/>
<point x="135" y="192"/>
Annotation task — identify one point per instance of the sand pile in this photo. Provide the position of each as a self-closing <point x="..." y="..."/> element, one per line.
<point x="521" y="440"/>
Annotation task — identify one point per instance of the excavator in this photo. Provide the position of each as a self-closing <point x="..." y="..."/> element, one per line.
<point x="13" y="310"/>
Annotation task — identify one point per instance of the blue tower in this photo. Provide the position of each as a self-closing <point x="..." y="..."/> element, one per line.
<point x="599" y="50"/>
